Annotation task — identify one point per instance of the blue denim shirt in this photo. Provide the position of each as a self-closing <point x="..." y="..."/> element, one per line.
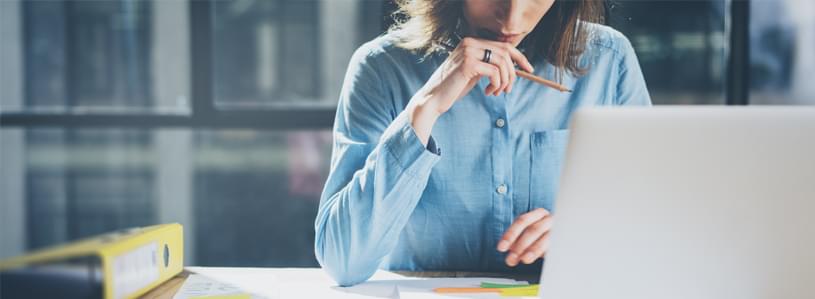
<point x="392" y="203"/>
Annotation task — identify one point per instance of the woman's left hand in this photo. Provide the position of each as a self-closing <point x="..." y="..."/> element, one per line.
<point x="527" y="239"/>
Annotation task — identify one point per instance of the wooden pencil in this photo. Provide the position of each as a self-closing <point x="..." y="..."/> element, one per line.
<point x="529" y="76"/>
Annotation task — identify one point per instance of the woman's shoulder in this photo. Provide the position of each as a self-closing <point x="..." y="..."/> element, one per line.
<point x="603" y="38"/>
<point x="382" y="49"/>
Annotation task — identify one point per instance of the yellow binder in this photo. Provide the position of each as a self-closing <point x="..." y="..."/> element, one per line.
<point x="122" y="264"/>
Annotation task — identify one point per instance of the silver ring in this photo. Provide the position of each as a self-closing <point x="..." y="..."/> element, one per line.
<point x="487" y="55"/>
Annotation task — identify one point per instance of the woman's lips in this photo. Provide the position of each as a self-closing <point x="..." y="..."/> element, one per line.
<point x="489" y="34"/>
<point x="507" y="38"/>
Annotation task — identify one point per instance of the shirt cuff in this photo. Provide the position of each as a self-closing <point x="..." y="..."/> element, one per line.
<point x="402" y="143"/>
<point x="432" y="147"/>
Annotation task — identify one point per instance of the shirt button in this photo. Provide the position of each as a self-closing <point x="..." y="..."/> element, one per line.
<point x="500" y="123"/>
<point x="501" y="189"/>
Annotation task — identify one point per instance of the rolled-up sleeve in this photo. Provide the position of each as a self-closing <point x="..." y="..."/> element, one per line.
<point x="379" y="170"/>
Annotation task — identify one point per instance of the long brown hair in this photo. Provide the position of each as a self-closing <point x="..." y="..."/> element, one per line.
<point x="560" y="37"/>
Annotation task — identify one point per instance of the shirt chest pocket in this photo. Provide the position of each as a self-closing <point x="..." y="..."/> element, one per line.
<point x="547" y="151"/>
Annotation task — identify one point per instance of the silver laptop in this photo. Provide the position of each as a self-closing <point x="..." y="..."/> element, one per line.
<point x="686" y="202"/>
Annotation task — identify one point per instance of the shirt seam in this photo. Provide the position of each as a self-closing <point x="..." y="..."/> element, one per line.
<point x="400" y="162"/>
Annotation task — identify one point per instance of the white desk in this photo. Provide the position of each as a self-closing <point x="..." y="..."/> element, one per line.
<point x="315" y="283"/>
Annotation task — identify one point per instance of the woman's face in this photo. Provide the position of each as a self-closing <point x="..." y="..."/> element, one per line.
<point x="504" y="20"/>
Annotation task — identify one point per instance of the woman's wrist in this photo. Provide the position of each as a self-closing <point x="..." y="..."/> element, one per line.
<point x="423" y="115"/>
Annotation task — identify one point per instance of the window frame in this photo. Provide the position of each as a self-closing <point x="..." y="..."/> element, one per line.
<point x="203" y="112"/>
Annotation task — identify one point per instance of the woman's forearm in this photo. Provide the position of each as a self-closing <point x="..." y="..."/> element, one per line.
<point x="423" y="113"/>
<point x="368" y="199"/>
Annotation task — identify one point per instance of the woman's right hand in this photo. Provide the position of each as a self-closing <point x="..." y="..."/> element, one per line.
<point x="458" y="74"/>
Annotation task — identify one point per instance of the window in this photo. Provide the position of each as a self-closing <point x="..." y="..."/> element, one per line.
<point x="217" y="114"/>
<point x="680" y="45"/>
<point x="269" y="52"/>
<point x="86" y="56"/>
<point x="245" y="197"/>
<point x="782" y="40"/>
<point x="214" y="114"/>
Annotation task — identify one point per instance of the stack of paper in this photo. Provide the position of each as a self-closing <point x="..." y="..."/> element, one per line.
<point x="245" y="283"/>
<point x="197" y="286"/>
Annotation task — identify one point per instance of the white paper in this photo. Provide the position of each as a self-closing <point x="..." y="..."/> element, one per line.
<point x="302" y="282"/>
<point x="316" y="283"/>
<point x="197" y="285"/>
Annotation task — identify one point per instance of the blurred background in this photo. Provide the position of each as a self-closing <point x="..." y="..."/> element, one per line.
<point x="217" y="114"/>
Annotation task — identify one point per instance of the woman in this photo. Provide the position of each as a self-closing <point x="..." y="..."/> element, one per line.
<point x="443" y="159"/>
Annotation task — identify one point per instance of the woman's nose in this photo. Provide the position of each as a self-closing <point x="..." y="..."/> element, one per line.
<point x="510" y="15"/>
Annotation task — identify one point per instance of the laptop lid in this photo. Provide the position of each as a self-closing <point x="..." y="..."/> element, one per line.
<point x="686" y="202"/>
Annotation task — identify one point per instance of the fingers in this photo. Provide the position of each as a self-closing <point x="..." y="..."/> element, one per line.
<point x="510" y="67"/>
<point x="514" y="54"/>
<point x="501" y="60"/>
<point x="518" y="226"/>
<point x="531" y="254"/>
<point x="493" y="72"/>
<point x="536" y="250"/>
<point x="527" y="239"/>
<point x="503" y="55"/>
<point x="531" y="234"/>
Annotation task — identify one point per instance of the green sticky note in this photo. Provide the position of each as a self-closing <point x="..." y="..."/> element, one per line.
<point x="530" y="290"/>
<point x="491" y="285"/>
